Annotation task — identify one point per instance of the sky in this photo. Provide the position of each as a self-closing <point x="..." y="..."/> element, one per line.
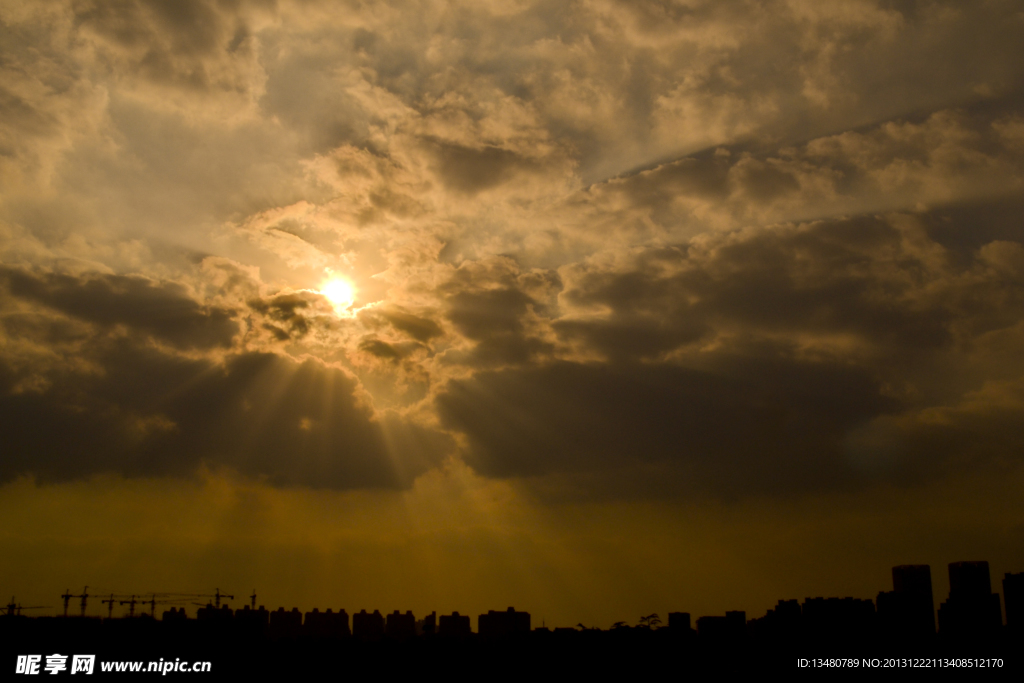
<point x="594" y="308"/>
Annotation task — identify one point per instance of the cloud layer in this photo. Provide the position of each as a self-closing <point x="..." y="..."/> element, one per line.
<point x="638" y="248"/>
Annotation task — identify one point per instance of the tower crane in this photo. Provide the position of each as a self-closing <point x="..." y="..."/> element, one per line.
<point x="67" y="598"/>
<point x="14" y="609"/>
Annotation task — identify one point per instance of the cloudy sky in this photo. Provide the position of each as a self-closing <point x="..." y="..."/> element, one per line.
<point x="595" y="308"/>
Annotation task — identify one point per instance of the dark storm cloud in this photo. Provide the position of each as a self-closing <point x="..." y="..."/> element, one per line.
<point x="798" y="357"/>
<point x="470" y="171"/>
<point x="153" y="414"/>
<point x="494" y="320"/>
<point x="981" y="429"/>
<point x="756" y="424"/>
<point x="380" y="349"/>
<point x="292" y="315"/>
<point x="649" y="313"/>
<point x="163" y="310"/>
<point x="192" y="44"/>
<point x="419" y="328"/>
<point x="989" y="221"/>
<point x="502" y="311"/>
<point x="856" y="276"/>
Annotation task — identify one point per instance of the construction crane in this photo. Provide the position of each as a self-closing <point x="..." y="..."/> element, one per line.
<point x="252" y="599"/>
<point x="163" y="599"/>
<point x="131" y="602"/>
<point x="154" y="600"/>
<point x="137" y="599"/>
<point x="152" y="605"/>
<point x="67" y="598"/>
<point x="217" y="596"/>
<point x="14" y="609"/>
<point x="109" y="602"/>
<point x="134" y="599"/>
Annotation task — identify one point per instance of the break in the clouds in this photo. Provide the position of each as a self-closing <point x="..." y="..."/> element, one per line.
<point x="648" y="247"/>
<point x="97" y="379"/>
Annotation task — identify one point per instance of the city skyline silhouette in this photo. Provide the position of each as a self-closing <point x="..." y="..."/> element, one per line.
<point x="897" y="629"/>
<point x="908" y="608"/>
<point x="607" y="310"/>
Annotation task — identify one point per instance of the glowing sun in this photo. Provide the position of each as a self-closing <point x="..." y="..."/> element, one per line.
<point x="339" y="292"/>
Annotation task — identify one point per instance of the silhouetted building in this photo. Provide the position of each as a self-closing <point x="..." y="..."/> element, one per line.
<point x="210" y="613"/>
<point x="175" y="614"/>
<point x="327" y="624"/>
<point x="738" y="618"/>
<point x="1013" y="596"/>
<point x="972" y="608"/>
<point x="969" y="579"/>
<point x="679" y="621"/>
<point x="730" y="627"/>
<point x="842" y="618"/>
<point x="368" y="626"/>
<point x="257" y="618"/>
<point x="788" y="611"/>
<point x="285" y="624"/>
<point x="497" y="624"/>
<point x="427" y="626"/>
<point x="784" y="621"/>
<point x="341" y="623"/>
<point x="400" y="626"/>
<point x="454" y="624"/>
<point x="908" y="610"/>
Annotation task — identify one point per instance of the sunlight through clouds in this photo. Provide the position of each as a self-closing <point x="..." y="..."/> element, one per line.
<point x="504" y="286"/>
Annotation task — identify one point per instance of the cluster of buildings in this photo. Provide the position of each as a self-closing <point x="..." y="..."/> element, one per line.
<point x="364" y="625"/>
<point x="907" y="612"/>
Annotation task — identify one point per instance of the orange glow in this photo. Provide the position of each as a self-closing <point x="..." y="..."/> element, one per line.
<point x="339" y="292"/>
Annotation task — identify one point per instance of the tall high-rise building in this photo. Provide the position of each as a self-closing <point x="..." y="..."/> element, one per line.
<point x="913" y="579"/>
<point x="969" y="579"/>
<point x="908" y="611"/>
<point x="1013" y="596"/>
<point x="972" y="608"/>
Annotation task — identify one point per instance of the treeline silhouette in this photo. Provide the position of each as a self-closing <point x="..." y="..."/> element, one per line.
<point x="900" y="623"/>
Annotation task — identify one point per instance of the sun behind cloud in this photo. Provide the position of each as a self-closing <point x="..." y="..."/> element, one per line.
<point x="340" y="292"/>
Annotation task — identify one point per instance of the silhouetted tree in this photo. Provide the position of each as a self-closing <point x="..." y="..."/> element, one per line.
<point x="650" y="621"/>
